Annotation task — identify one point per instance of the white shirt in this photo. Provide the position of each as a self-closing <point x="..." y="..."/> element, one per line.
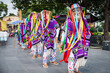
<point x="57" y="32"/>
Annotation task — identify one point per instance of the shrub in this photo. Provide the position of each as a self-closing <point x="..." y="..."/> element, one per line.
<point x="93" y="30"/>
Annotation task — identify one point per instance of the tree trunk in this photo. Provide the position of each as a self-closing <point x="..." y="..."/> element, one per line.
<point x="106" y="20"/>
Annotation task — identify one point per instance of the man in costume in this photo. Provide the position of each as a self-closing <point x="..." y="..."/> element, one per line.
<point x="23" y="32"/>
<point x="34" y="42"/>
<point x="76" y="39"/>
<point x="20" y="36"/>
<point x="29" y="32"/>
<point x="49" y="30"/>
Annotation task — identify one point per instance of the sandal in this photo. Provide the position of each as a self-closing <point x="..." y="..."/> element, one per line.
<point x="38" y="56"/>
<point x="55" y="63"/>
<point x="78" y="72"/>
<point x="30" y="53"/>
<point x="45" y="65"/>
<point x="23" y="48"/>
<point x="34" y="56"/>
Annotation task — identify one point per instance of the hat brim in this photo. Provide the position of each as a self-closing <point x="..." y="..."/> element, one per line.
<point x="82" y="8"/>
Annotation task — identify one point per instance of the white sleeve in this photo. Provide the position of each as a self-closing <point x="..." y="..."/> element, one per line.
<point x="57" y="32"/>
<point x="67" y="40"/>
<point x="62" y="37"/>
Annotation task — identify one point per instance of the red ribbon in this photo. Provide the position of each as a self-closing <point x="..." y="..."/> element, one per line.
<point x="43" y="46"/>
<point x="45" y="17"/>
<point x="72" y="19"/>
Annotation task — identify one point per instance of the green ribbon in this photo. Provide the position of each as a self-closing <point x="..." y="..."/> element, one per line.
<point x="34" y="26"/>
<point x="28" y="21"/>
<point x="65" y="35"/>
<point x="48" y="34"/>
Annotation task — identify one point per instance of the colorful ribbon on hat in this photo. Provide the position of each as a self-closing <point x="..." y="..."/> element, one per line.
<point x="48" y="20"/>
<point x="42" y="18"/>
<point x="44" y="23"/>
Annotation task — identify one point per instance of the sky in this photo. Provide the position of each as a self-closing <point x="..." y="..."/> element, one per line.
<point x="10" y="7"/>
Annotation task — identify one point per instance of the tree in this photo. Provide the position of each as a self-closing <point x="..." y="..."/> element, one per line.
<point x="56" y="6"/>
<point x="21" y="5"/>
<point x="24" y="15"/>
<point x="107" y="15"/>
<point x="93" y="29"/>
<point x="3" y="8"/>
<point x="100" y="8"/>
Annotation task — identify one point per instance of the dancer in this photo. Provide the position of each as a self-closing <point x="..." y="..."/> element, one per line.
<point x="34" y="42"/>
<point x="76" y="37"/>
<point x="49" y="28"/>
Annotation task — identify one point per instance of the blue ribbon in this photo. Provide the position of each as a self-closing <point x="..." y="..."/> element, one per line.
<point x="42" y="18"/>
<point x="25" y="25"/>
<point x="76" y="17"/>
<point x="76" y="26"/>
<point x="20" y="33"/>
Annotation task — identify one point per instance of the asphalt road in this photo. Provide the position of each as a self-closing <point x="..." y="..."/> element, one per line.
<point x="15" y="60"/>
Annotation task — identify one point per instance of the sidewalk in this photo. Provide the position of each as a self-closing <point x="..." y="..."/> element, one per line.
<point x="15" y="60"/>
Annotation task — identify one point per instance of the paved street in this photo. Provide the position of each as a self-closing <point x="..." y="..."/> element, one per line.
<point x="15" y="60"/>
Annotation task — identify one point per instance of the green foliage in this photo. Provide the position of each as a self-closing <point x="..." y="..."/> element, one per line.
<point x="58" y="6"/>
<point x="109" y="33"/>
<point x="102" y="25"/>
<point x="21" y="4"/>
<point x="93" y="30"/>
<point x="98" y="33"/>
<point x="11" y="14"/>
<point x="97" y="7"/>
<point x="95" y="33"/>
<point x="3" y="8"/>
<point x="24" y="15"/>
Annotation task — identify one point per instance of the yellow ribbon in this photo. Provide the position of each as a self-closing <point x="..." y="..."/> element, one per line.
<point x="41" y="35"/>
<point x="37" y="25"/>
<point x="79" y="36"/>
<point x="34" y="20"/>
<point x="48" y="20"/>
<point x="84" y="14"/>
<point x="69" y="42"/>
<point x="36" y="31"/>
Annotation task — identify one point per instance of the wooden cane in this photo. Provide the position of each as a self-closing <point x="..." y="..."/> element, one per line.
<point x="58" y="47"/>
